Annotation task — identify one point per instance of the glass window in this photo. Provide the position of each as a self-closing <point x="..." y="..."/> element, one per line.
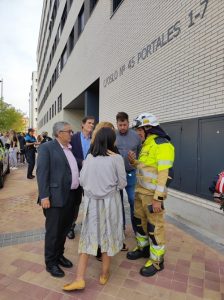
<point x="60" y="103"/>
<point x="64" y="57"/>
<point x="81" y="22"/>
<point x="92" y="5"/>
<point x="64" y="17"/>
<point x="116" y="3"/>
<point x="52" y="110"/>
<point x="71" y="41"/>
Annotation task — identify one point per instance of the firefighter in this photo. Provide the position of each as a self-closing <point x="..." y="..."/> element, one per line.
<point x="154" y="173"/>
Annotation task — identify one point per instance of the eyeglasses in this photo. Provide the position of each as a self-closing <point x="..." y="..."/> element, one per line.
<point x="69" y="131"/>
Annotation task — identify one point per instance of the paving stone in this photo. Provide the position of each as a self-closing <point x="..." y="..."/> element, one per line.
<point x="189" y="274"/>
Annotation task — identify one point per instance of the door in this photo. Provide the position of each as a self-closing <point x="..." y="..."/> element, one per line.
<point x="211" y="152"/>
<point x="174" y="131"/>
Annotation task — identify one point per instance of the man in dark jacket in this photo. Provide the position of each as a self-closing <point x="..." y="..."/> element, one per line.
<point x="22" y="144"/>
<point x="80" y="146"/>
<point x="30" y="151"/>
<point x="46" y="138"/>
<point x="58" y="180"/>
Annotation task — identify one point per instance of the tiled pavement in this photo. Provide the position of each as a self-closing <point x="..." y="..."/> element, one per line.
<point x="192" y="271"/>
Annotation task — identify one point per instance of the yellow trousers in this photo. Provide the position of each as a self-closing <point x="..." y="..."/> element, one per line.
<point x="146" y="221"/>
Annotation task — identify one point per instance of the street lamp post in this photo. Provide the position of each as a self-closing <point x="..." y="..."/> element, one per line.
<point x="1" y="88"/>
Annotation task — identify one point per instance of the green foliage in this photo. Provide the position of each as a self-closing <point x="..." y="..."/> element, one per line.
<point x="10" y="118"/>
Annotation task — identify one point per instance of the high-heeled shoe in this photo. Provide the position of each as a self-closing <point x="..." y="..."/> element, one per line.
<point x="104" y="278"/>
<point x="75" y="285"/>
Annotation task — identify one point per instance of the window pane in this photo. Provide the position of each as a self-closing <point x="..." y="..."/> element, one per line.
<point x="81" y="20"/>
<point x="116" y="4"/>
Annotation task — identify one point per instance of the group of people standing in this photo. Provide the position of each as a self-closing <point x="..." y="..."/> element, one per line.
<point x="97" y="165"/>
<point x="14" y="142"/>
<point x="23" y="147"/>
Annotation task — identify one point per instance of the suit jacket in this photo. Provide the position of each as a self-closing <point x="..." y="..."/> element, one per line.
<point x="77" y="148"/>
<point x="54" y="175"/>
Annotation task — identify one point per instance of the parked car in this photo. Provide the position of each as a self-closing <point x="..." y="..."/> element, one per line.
<point x="4" y="163"/>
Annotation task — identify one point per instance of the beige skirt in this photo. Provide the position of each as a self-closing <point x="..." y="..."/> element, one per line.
<point x="102" y="225"/>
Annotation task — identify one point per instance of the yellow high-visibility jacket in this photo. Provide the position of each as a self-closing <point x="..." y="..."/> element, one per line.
<point x="155" y="160"/>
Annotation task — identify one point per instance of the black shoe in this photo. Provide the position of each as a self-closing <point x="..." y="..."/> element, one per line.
<point x="71" y="234"/>
<point x="152" y="270"/>
<point x="138" y="253"/>
<point x="64" y="262"/>
<point x="124" y="248"/>
<point x="30" y="176"/>
<point x="55" y="271"/>
<point x="99" y="254"/>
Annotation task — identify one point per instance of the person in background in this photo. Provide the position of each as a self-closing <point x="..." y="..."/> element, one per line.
<point x="5" y="139"/>
<point x="45" y="138"/>
<point x="126" y="140"/>
<point x="39" y="138"/>
<point x="103" y="124"/>
<point x="80" y="143"/>
<point x="217" y="189"/>
<point x="101" y="177"/>
<point x="13" y="150"/>
<point x="30" y="151"/>
<point x="58" y="180"/>
<point x="22" y="143"/>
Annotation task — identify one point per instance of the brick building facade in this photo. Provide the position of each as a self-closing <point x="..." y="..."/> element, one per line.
<point x="164" y="57"/>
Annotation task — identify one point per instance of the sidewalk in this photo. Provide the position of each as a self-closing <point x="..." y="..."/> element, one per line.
<point x="193" y="270"/>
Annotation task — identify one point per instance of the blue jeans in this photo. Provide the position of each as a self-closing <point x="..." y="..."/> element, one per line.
<point x="130" y="189"/>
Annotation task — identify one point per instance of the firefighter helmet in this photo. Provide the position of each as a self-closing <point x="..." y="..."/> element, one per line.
<point x="145" y="119"/>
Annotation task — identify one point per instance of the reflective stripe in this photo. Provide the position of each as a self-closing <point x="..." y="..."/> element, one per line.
<point x="146" y="185"/>
<point x="161" y="188"/>
<point x="151" y="186"/>
<point x="136" y="248"/>
<point x="147" y="174"/>
<point x="165" y="162"/>
<point x="157" y="252"/>
<point x="142" y="240"/>
<point x="148" y="263"/>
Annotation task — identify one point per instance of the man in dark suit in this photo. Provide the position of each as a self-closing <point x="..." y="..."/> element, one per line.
<point x="58" y="180"/>
<point x="80" y="146"/>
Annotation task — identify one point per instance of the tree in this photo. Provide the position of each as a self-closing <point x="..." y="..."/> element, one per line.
<point x="10" y="118"/>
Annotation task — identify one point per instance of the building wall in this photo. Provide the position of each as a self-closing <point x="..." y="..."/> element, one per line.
<point x="165" y="57"/>
<point x="182" y="79"/>
<point x="33" y="101"/>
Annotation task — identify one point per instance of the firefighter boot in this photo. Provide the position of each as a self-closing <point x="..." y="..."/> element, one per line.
<point x="151" y="268"/>
<point x="156" y="261"/>
<point x="138" y="253"/>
